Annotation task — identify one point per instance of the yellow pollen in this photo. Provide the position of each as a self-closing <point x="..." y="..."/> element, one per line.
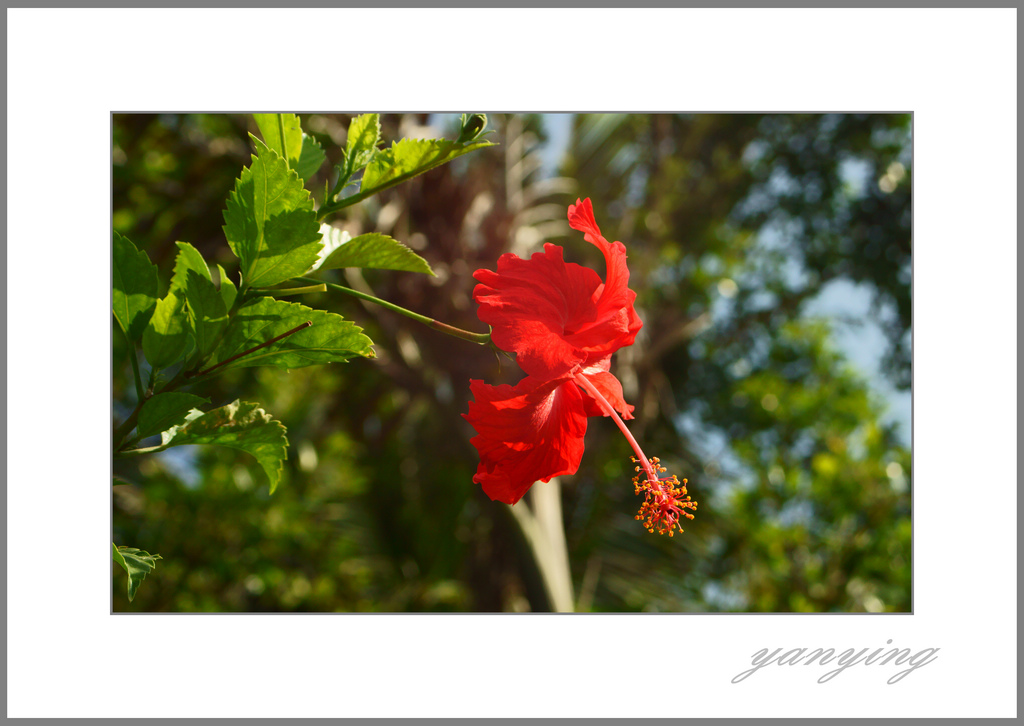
<point x="665" y="501"/>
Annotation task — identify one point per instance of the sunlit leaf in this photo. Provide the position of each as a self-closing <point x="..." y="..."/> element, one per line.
<point x="369" y="250"/>
<point x="165" y="339"/>
<point x="303" y="153"/>
<point x="311" y="158"/>
<point x="410" y="157"/>
<point x="269" y="221"/>
<point x="239" y="425"/>
<point x="282" y="132"/>
<point x="189" y="258"/>
<point x="330" y="339"/>
<point x="228" y="291"/>
<point x="135" y="287"/>
<point x="206" y="311"/>
<point x="361" y="144"/>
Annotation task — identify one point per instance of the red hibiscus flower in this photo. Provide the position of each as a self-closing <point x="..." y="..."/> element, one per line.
<point x="563" y="323"/>
<point x="556" y="315"/>
<point x="530" y="432"/>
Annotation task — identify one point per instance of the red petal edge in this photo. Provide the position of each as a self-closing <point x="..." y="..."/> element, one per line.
<point x="527" y="433"/>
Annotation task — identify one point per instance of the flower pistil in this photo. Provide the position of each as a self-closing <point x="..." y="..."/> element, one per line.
<point x="665" y="499"/>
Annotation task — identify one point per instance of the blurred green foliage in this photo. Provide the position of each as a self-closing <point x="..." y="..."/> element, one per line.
<point x="733" y="225"/>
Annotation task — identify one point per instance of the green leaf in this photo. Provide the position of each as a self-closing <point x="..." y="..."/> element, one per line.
<point x="311" y="158"/>
<point x="165" y="410"/>
<point x="411" y="157"/>
<point x="228" y="291"/>
<point x="288" y="146"/>
<point x="206" y="311"/>
<point x="137" y="563"/>
<point x="369" y="250"/>
<point x="361" y="144"/>
<point x="269" y="221"/>
<point x="301" y="151"/>
<point x="165" y="338"/>
<point x="330" y="339"/>
<point x="135" y="287"/>
<point x="188" y="258"/>
<point x="239" y="425"/>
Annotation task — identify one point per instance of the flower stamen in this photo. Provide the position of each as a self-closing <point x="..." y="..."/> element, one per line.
<point x="665" y="501"/>
<point x="665" y="498"/>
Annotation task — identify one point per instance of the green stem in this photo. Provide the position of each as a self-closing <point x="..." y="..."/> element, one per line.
<point x="340" y="204"/>
<point x="343" y="179"/>
<point x="478" y="338"/>
<point x="140" y="452"/>
<point x="132" y="441"/>
<point x="135" y="367"/>
<point x="283" y="291"/>
<point x="192" y="367"/>
<point x="187" y="375"/>
<point x="122" y="431"/>
<point x="440" y="158"/>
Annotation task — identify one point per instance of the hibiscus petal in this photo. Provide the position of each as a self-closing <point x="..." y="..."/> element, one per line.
<point x="527" y="433"/>
<point x="534" y="306"/>
<point x="616" y="318"/>
<point x="609" y="387"/>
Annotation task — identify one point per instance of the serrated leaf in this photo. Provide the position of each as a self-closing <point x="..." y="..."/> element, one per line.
<point x="189" y="258"/>
<point x="408" y="158"/>
<point x="288" y="146"/>
<point x="137" y="563"/>
<point x="269" y="221"/>
<point x="206" y="309"/>
<point x="302" y="151"/>
<point x="164" y="339"/>
<point x="239" y="425"/>
<point x="361" y="144"/>
<point x="135" y="287"/>
<point x="165" y="410"/>
<point x="228" y="291"/>
<point x="373" y="250"/>
<point x="311" y="158"/>
<point x="330" y="339"/>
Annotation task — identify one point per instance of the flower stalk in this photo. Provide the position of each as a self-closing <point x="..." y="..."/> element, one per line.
<point x="665" y="498"/>
<point x="478" y="338"/>
<point x="609" y="411"/>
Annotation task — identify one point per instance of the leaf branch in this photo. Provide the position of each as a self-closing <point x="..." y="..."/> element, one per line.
<point x="244" y="353"/>
<point x="478" y="338"/>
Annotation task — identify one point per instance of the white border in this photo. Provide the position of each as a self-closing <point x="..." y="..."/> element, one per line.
<point x="67" y="69"/>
